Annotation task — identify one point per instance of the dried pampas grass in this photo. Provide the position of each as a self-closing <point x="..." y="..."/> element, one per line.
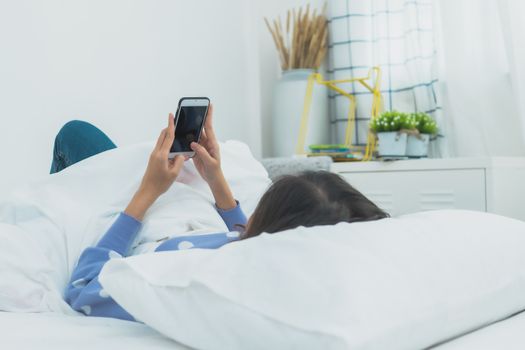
<point x="304" y="41"/>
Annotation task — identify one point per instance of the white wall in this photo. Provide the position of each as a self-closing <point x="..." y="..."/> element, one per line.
<point x="122" y="65"/>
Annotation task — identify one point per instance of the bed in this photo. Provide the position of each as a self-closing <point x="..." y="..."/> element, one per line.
<point x="53" y="331"/>
<point x="56" y="332"/>
<point x="445" y="279"/>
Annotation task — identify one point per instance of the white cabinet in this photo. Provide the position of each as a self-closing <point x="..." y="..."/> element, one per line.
<point x="484" y="184"/>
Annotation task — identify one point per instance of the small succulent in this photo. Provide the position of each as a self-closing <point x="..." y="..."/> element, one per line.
<point x="425" y="124"/>
<point x="393" y="121"/>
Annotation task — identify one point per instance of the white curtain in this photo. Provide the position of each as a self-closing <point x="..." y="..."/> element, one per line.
<point x="396" y="35"/>
<point x="461" y="60"/>
<point x="481" y="51"/>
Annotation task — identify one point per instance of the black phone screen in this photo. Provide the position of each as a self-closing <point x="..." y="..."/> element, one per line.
<point x="188" y="128"/>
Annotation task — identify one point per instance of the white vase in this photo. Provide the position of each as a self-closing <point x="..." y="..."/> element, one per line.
<point x="417" y="146"/>
<point x="287" y="109"/>
<point x="392" y="144"/>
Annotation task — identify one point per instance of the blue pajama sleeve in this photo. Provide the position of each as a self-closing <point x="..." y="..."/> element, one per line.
<point x="84" y="292"/>
<point x="234" y="218"/>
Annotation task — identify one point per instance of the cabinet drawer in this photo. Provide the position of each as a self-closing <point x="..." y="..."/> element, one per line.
<point x="402" y="192"/>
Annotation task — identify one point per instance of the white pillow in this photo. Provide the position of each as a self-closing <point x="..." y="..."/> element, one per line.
<point x="400" y="283"/>
<point x="63" y="214"/>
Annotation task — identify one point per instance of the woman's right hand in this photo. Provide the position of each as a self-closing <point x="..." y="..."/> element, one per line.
<point x="207" y="157"/>
<point x="207" y="160"/>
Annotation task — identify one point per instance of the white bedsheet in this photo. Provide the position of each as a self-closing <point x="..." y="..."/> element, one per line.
<point x="53" y="331"/>
<point x="508" y="334"/>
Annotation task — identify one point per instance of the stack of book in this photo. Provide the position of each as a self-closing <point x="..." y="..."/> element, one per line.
<point x="338" y="153"/>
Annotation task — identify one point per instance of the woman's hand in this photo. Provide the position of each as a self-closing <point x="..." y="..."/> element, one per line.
<point x="207" y="160"/>
<point x="207" y="157"/>
<point x="160" y="173"/>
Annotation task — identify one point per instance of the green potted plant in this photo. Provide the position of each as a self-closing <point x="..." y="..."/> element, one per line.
<point x="417" y="144"/>
<point x="391" y="129"/>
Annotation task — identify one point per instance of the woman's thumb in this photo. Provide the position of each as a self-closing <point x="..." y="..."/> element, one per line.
<point x="201" y="152"/>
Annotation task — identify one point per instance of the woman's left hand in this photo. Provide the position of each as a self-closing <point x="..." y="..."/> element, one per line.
<point x="160" y="173"/>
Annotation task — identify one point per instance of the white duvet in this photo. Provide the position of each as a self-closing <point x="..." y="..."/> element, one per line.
<point x="45" y="226"/>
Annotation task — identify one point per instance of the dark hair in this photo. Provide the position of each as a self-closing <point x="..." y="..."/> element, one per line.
<point x="309" y="199"/>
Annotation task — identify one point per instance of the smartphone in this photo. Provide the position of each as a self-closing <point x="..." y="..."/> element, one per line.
<point x="189" y="122"/>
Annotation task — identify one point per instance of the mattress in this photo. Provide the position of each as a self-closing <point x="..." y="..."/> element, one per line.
<point x="53" y="331"/>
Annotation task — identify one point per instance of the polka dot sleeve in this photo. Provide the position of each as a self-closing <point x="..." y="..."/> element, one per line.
<point x="84" y="292"/>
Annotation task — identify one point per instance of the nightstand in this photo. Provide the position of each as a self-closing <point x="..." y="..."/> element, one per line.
<point x="495" y="185"/>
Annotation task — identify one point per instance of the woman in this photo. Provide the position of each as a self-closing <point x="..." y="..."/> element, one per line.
<point x="309" y="199"/>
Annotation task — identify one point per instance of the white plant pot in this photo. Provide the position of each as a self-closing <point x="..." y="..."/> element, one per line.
<point x="287" y="109"/>
<point x="417" y="146"/>
<point x="392" y="144"/>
